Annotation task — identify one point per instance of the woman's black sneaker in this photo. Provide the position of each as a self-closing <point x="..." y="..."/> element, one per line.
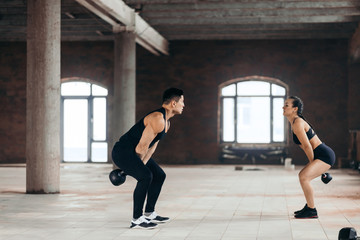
<point x="307" y="213"/>
<point x="299" y="211"/>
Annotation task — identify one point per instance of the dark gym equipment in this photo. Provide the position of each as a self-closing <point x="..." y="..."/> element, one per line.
<point x="326" y="178"/>
<point x="248" y="155"/>
<point x="117" y="177"/>
<point x="348" y="233"/>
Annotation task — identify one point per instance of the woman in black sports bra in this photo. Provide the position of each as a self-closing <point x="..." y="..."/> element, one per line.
<point x="320" y="156"/>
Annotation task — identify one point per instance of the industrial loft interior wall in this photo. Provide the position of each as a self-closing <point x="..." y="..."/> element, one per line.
<point x="318" y="71"/>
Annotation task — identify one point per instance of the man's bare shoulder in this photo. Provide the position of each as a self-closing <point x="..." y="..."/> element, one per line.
<point x="156" y="120"/>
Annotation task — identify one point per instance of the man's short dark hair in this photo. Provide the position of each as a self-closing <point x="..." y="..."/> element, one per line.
<point x="172" y="93"/>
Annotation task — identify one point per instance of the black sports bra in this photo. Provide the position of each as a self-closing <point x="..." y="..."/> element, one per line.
<point x="310" y="134"/>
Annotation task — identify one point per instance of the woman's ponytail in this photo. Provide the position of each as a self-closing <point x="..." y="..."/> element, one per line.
<point x="297" y="102"/>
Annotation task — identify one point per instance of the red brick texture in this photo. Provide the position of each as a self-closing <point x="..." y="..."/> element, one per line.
<point x="315" y="70"/>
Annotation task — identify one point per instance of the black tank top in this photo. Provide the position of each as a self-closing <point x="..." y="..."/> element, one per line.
<point x="133" y="136"/>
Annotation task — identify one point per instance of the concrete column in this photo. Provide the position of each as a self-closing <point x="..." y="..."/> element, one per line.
<point x="43" y="97"/>
<point x="124" y="84"/>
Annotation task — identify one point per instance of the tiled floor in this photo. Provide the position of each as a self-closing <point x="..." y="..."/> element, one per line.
<point x="204" y="202"/>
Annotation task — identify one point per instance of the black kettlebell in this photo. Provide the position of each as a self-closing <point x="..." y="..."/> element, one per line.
<point x="326" y="178"/>
<point x="347" y="233"/>
<point x="117" y="177"/>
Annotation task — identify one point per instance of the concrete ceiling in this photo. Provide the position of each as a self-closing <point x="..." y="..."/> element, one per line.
<point x="250" y="19"/>
<point x="203" y="19"/>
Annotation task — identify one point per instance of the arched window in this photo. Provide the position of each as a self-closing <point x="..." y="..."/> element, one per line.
<point x="83" y="115"/>
<point x="251" y="111"/>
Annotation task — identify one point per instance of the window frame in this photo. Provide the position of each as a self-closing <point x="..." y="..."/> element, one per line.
<point x="271" y="81"/>
<point x="90" y="99"/>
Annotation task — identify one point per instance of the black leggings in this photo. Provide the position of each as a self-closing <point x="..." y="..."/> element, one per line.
<point x="150" y="177"/>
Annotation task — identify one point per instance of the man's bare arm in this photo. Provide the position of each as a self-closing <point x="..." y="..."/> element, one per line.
<point x="150" y="153"/>
<point x="154" y="125"/>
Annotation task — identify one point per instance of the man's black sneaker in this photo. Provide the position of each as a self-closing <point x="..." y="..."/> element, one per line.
<point x="299" y="211"/>
<point x="153" y="217"/>
<point x="141" y="222"/>
<point x="307" y="213"/>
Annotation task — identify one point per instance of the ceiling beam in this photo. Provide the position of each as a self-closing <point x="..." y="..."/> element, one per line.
<point x="117" y="13"/>
<point x="257" y="31"/>
<point x="294" y="26"/>
<point x="263" y="36"/>
<point x="263" y="12"/>
<point x="150" y="35"/>
<point x="118" y="9"/>
<point x="255" y="20"/>
<point x="149" y="5"/>
<point x="157" y="2"/>
<point x="98" y="12"/>
<point x="195" y="19"/>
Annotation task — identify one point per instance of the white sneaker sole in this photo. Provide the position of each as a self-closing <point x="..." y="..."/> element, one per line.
<point x="140" y="227"/>
<point x="157" y="221"/>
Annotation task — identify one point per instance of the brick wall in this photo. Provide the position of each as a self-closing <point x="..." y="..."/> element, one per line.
<point x="353" y="99"/>
<point x="12" y="102"/>
<point x="315" y="70"/>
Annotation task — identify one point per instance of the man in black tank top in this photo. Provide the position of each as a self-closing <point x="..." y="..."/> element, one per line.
<point x="132" y="153"/>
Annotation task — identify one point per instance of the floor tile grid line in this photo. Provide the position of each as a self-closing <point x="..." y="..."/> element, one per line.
<point x="180" y="213"/>
<point x="229" y="184"/>
<point x="202" y="219"/>
<point x="318" y="191"/>
<point x="344" y="215"/>
<point x="323" y="228"/>
<point x="268" y="181"/>
<point x="322" y="225"/>
<point x="238" y="205"/>
<point x="259" y="224"/>
<point x="184" y="209"/>
<point x="282" y="183"/>
<point x="338" y="204"/>
<point x="75" y="226"/>
<point x="249" y="194"/>
<point x="287" y="199"/>
<point x="291" y="226"/>
<point x="289" y="211"/>
<point x="293" y="230"/>
<point x="333" y="188"/>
